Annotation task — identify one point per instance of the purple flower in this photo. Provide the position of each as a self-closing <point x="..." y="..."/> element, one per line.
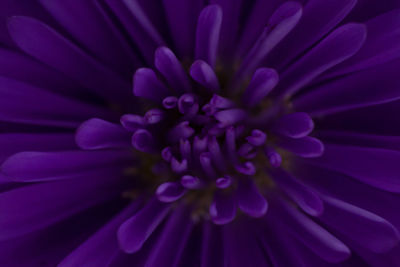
<point x="253" y="133"/>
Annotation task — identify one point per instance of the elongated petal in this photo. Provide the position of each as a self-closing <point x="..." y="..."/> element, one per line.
<point x="85" y="22"/>
<point x="211" y="246"/>
<point x="49" y="109"/>
<point x="360" y="139"/>
<point x="319" y="240"/>
<point x="138" y="25"/>
<point x="365" y="228"/>
<point x="182" y="24"/>
<point x="306" y="147"/>
<point x="328" y="13"/>
<point x="48" y="46"/>
<point x="304" y="196"/>
<point x="12" y="143"/>
<point x="381" y="46"/>
<point x="250" y="199"/>
<point x="101" y="247"/>
<point x="281" y="23"/>
<point x="134" y="232"/>
<point x="294" y="125"/>
<point x="223" y="208"/>
<point x="37" y="206"/>
<point x="261" y="84"/>
<point x="372" y="87"/>
<point x="41" y="166"/>
<point x="374" y="166"/>
<point x="202" y="73"/>
<point x="169" y="66"/>
<point x="339" y="45"/>
<point x="99" y="134"/>
<point x="23" y="68"/>
<point x="241" y="245"/>
<point x="169" y="248"/>
<point x="208" y="34"/>
<point x="147" y="85"/>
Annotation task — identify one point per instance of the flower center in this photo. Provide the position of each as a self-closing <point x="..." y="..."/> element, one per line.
<point x="210" y="145"/>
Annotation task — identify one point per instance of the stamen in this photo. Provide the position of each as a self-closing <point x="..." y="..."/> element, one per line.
<point x="230" y="117"/>
<point x="170" y="102"/>
<point x="143" y="141"/>
<point x="166" y="154"/>
<point x="274" y="157"/>
<point x="187" y="104"/>
<point x="132" y="122"/>
<point x="224" y="182"/>
<point x="179" y="166"/>
<point x="246" y="168"/>
<point x="180" y="131"/>
<point x="205" y="161"/>
<point x="257" y="138"/>
<point x="154" y="116"/>
<point x="191" y="182"/>
<point x="170" y="192"/>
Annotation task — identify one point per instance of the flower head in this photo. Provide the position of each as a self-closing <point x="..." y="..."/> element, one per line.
<point x="253" y="133"/>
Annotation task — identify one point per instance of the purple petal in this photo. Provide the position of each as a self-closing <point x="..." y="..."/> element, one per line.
<point x="374" y="166"/>
<point x="372" y="87"/>
<point x="360" y="139"/>
<point x="261" y="84"/>
<point x="48" y="109"/>
<point x="169" y="247"/>
<point x="182" y="24"/>
<point x="363" y="227"/>
<point x="231" y="10"/>
<point x="37" y="206"/>
<point x="338" y="46"/>
<point x="85" y="23"/>
<point x="132" y="122"/>
<point x="211" y="246"/>
<point x="138" y="26"/>
<point x="170" y="67"/>
<point x="328" y="13"/>
<point x="42" y="166"/>
<point x="147" y="85"/>
<point x="208" y="34"/>
<point x="306" y="147"/>
<point x="320" y="241"/>
<point x="381" y="46"/>
<point x="102" y="246"/>
<point x="294" y="125"/>
<point x="25" y="69"/>
<point x="250" y="201"/>
<point x="12" y="143"/>
<point x="48" y="46"/>
<point x="135" y="231"/>
<point x="305" y="197"/>
<point x="241" y="245"/>
<point x="170" y="192"/>
<point x="99" y="134"/>
<point x="202" y="73"/>
<point x="223" y="208"/>
<point x="281" y="23"/>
